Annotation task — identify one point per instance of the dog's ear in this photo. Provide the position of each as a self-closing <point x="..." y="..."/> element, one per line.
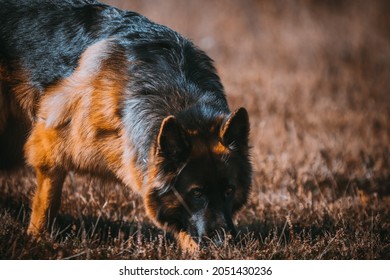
<point x="172" y="141"/>
<point x="234" y="133"/>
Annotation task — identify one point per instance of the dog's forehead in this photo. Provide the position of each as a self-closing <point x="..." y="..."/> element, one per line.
<point x="205" y="141"/>
<point x="208" y="172"/>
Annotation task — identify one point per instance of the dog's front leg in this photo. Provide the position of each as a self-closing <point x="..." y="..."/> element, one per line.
<point x="46" y="201"/>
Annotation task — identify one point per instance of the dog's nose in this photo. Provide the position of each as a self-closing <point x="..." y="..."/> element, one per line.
<point x="220" y="224"/>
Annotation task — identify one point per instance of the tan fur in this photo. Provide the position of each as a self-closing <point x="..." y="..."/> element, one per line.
<point x="219" y="149"/>
<point x="18" y="97"/>
<point x="26" y="96"/>
<point x="46" y="201"/>
<point x="79" y="128"/>
<point x="187" y="243"/>
<point x="200" y="148"/>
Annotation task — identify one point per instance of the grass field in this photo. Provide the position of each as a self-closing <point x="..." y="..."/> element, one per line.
<point x="315" y="79"/>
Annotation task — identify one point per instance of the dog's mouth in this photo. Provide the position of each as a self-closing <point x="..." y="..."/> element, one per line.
<point x="205" y="233"/>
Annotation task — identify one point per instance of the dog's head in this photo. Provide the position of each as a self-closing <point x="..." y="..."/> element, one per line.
<point x="201" y="177"/>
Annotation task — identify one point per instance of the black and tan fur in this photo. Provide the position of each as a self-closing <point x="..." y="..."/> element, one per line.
<point x="97" y="90"/>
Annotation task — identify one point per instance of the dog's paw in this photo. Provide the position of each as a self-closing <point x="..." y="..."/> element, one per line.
<point x="187" y="243"/>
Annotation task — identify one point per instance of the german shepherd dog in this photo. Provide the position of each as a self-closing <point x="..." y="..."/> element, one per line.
<point x="89" y="88"/>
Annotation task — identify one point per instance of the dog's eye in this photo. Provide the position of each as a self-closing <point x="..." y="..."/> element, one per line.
<point x="229" y="192"/>
<point x="197" y="192"/>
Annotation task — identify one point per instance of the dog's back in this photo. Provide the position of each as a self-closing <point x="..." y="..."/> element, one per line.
<point x="42" y="43"/>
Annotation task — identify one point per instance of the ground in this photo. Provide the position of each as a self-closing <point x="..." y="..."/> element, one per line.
<point x="315" y="78"/>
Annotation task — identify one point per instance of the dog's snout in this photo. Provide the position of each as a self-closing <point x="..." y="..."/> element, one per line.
<point x="220" y="228"/>
<point x="210" y="225"/>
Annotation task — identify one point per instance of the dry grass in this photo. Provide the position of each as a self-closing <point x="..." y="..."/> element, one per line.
<point x="315" y="78"/>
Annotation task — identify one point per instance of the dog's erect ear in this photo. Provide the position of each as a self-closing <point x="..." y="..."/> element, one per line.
<point x="234" y="132"/>
<point x="172" y="141"/>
